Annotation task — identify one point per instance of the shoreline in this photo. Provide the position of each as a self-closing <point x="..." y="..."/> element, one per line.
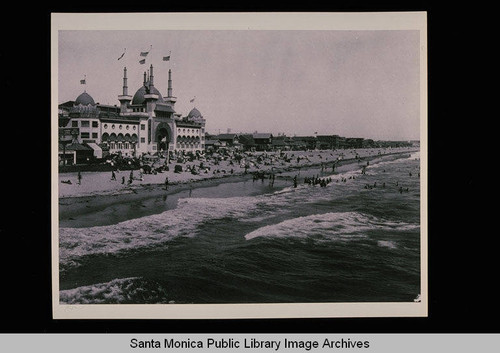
<point x="77" y="211"/>
<point x="184" y="178"/>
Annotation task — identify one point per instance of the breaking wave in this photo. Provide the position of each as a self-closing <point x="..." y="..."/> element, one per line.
<point x="148" y="231"/>
<point x="117" y="291"/>
<point x="329" y="226"/>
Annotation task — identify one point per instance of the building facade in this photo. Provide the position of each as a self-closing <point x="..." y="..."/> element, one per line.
<point x="145" y="123"/>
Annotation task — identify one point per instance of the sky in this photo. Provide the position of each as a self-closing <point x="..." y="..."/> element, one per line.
<point x="350" y="83"/>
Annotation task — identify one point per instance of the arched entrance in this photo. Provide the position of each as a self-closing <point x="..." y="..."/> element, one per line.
<point x="163" y="137"/>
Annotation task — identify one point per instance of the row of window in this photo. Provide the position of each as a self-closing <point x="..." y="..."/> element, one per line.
<point x="84" y="123"/>
<point x="188" y="130"/>
<point x="127" y="145"/>
<point x="127" y="127"/>
<point x="86" y="135"/>
<point x="120" y="145"/>
<point x="185" y="145"/>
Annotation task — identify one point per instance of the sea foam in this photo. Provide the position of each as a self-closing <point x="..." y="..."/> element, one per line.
<point x="329" y="226"/>
<point x="149" y="231"/>
<point x="117" y="291"/>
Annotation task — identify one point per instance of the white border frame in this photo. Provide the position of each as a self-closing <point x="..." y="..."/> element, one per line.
<point x="239" y="21"/>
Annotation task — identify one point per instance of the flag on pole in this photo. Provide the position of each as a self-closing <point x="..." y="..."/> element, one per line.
<point x="166" y="58"/>
<point x="192" y="100"/>
<point x="143" y="61"/>
<point x="145" y="53"/>
<point x="84" y="81"/>
<point x="121" y="56"/>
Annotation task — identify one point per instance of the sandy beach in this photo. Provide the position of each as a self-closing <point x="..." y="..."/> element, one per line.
<point x="99" y="195"/>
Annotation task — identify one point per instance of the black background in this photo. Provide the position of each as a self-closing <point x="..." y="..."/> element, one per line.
<point x="462" y="259"/>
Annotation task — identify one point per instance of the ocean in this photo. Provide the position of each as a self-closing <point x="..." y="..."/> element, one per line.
<point x="252" y="242"/>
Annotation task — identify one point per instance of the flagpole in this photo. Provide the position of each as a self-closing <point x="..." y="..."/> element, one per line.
<point x="84" y="82"/>
<point x="150" y="55"/>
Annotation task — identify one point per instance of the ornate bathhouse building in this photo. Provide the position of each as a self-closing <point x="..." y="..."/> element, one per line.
<point x="145" y="123"/>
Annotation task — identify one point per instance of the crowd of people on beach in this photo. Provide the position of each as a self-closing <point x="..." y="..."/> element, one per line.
<point x="183" y="167"/>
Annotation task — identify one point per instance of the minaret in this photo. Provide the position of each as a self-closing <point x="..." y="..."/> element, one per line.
<point x="124" y="99"/>
<point x="169" y="98"/>
<point x="151" y="76"/>
<point x="169" y="91"/>
<point x="150" y="97"/>
<point x="125" y="87"/>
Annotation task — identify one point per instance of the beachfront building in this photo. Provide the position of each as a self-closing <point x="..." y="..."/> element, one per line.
<point x="145" y="123"/>
<point x="306" y="142"/>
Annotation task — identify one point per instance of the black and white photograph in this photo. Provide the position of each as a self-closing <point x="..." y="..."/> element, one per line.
<point x="239" y="165"/>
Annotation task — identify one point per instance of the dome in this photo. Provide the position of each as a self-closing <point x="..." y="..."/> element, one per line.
<point x="139" y="95"/>
<point x="84" y="99"/>
<point x="195" y="113"/>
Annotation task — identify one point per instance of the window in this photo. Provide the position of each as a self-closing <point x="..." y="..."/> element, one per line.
<point x="95" y="124"/>
<point x="85" y="123"/>
<point x="74" y="123"/>
<point x="111" y="145"/>
<point x="127" y="127"/>
<point x="120" y="127"/>
<point x="84" y="135"/>
<point x="105" y="126"/>
<point x="143" y="127"/>
<point x="119" y="145"/>
<point x="125" y="145"/>
<point x="113" y="126"/>
<point x="94" y="135"/>
<point x="143" y="140"/>
<point x="154" y="148"/>
<point x="134" y="127"/>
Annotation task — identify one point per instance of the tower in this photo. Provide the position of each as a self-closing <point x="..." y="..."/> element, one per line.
<point x="152" y="95"/>
<point x="151" y="84"/>
<point x="124" y="98"/>
<point x="169" y="98"/>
